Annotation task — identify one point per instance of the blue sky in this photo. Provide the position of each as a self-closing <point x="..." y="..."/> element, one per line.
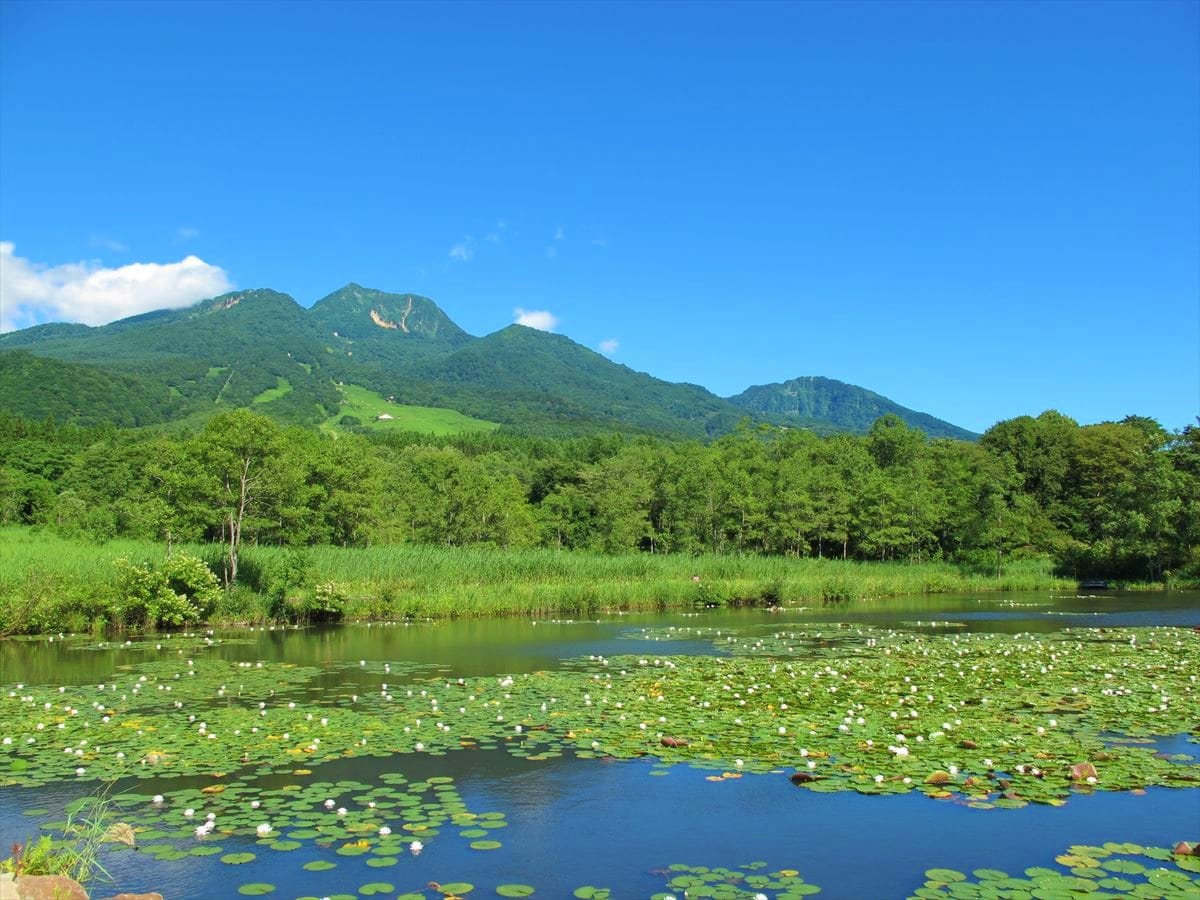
<point x="979" y="210"/>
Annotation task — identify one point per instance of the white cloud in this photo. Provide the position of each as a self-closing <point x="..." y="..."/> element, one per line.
<point x="541" y="319"/>
<point x="610" y="346"/>
<point x="31" y="293"/>
<point x="463" y="250"/>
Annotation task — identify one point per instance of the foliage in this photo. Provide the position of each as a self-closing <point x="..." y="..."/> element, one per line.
<point x="66" y="581"/>
<point x="1117" y="500"/>
<point x="178" y="591"/>
<point x="858" y="709"/>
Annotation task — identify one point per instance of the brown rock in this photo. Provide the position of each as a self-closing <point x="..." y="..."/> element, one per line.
<point x="968" y="745"/>
<point x="802" y="778"/>
<point x="1183" y="848"/>
<point x="939" y="777"/>
<point x="49" y="887"/>
<point x="674" y="742"/>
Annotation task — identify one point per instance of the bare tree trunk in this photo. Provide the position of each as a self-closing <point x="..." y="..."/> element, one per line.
<point x="236" y="520"/>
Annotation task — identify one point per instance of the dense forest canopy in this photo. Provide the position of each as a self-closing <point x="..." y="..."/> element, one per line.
<point x="1119" y="498"/>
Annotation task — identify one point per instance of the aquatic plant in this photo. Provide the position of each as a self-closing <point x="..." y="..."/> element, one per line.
<point x="998" y="720"/>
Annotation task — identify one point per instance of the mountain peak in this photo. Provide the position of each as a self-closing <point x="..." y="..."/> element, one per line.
<point x="373" y="318"/>
<point x="814" y="399"/>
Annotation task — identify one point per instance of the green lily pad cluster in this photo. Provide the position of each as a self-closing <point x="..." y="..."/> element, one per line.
<point x="748" y="881"/>
<point x="1000" y="720"/>
<point x="380" y="823"/>
<point x="1114" y="870"/>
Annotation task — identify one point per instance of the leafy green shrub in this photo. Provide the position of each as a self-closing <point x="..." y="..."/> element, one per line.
<point x="286" y="574"/>
<point x="836" y="590"/>
<point x="326" y="603"/>
<point x="181" y="590"/>
<point x="708" y="594"/>
<point x="238" y="604"/>
<point x="188" y="576"/>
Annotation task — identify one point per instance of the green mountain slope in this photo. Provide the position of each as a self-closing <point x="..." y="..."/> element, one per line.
<point x="36" y="387"/>
<point x="816" y="401"/>
<point x="222" y="352"/>
<point x="261" y="348"/>
<point x="520" y="375"/>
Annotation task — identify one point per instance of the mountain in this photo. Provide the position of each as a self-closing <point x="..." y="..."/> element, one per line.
<point x="827" y="403"/>
<point x="520" y="374"/>
<point x="36" y="387"/>
<point x="382" y="328"/>
<point x="261" y="348"/>
<point x="224" y="352"/>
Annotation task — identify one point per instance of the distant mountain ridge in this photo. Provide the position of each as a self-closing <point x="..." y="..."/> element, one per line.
<point x="814" y="400"/>
<point x="261" y="348"/>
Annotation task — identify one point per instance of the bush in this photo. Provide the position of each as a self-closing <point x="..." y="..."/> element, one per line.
<point x="286" y="574"/>
<point x="181" y="590"/>
<point x="325" y="604"/>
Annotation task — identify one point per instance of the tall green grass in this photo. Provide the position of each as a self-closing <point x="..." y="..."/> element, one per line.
<point x="444" y="582"/>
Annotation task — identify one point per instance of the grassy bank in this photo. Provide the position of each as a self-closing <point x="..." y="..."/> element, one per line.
<point x="49" y="583"/>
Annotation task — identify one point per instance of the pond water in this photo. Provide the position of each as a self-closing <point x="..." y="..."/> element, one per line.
<point x="567" y="821"/>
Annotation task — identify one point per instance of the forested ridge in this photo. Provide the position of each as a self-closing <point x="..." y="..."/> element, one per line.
<point x="261" y="348"/>
<point x="1120" y="499"/>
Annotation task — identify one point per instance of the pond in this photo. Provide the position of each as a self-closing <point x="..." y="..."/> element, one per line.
<point x="871" y="749"/>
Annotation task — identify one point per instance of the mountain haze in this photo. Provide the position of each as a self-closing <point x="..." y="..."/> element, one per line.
<point x="261" y="348"/>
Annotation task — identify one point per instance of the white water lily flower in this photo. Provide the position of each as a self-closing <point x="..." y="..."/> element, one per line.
<point x="263" y="829"/>
<point x="158" y="799"/>
<point x="416" y="847"/>
<point x="384" y="831"/>
<point x="188" y="813"/>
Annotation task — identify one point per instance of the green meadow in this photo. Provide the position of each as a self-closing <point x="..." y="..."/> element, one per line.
<point x="367" y="406"/>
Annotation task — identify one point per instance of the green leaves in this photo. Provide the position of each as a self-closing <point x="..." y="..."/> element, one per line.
<point x="1134" y="878"/>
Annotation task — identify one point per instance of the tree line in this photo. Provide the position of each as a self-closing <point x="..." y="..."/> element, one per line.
<point x="1120" y="499"/>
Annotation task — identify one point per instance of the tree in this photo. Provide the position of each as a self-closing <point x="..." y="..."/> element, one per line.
<point x="243" y="464"/>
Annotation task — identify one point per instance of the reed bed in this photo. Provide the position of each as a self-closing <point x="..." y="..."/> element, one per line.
<point x="452" y="582"/>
